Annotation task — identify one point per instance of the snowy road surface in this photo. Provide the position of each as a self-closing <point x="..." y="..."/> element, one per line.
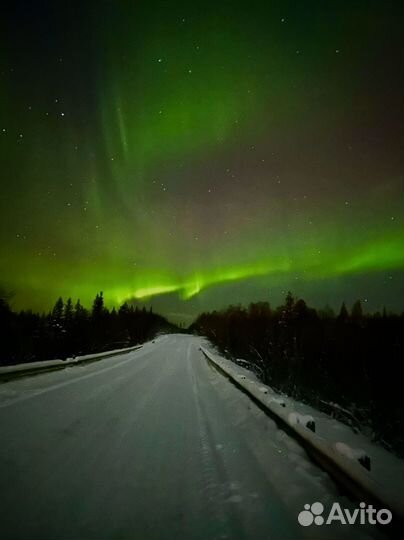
<point x="153" y="444"/>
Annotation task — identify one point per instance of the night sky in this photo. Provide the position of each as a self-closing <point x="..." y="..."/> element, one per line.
<point x="195" y="155"/>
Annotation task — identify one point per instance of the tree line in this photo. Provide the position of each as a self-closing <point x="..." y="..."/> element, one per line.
<point x="70" y="329"/>
<point x="348" y="364"/>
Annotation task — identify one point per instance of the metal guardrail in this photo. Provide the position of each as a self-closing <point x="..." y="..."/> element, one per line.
<point x="9" y="373"/>
<point x="346" y="473"/>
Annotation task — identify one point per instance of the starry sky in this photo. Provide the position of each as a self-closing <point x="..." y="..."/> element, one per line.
<point x="195" y="155"/>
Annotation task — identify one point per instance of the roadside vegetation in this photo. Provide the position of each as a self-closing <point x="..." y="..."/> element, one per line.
<point x="348" y="365"/>
<point x="70" y="329"/>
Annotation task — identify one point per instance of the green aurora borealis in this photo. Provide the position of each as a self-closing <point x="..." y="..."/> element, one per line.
<point x="196" y="155"/>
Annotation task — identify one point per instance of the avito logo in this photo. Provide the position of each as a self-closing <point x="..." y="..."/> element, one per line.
<point x="364" y="515"/>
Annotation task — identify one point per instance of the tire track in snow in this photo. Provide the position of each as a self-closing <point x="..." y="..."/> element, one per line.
<point x="225" y="520"/>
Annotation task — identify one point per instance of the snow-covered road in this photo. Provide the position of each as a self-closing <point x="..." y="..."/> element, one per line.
<point x="152" y="444"/>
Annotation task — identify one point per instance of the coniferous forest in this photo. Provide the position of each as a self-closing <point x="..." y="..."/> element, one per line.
<point x="70" y="329"/>
<point x="348" y="365"/>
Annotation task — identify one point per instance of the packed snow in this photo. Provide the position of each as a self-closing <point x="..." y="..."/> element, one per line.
<point x="154" y="444"/>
